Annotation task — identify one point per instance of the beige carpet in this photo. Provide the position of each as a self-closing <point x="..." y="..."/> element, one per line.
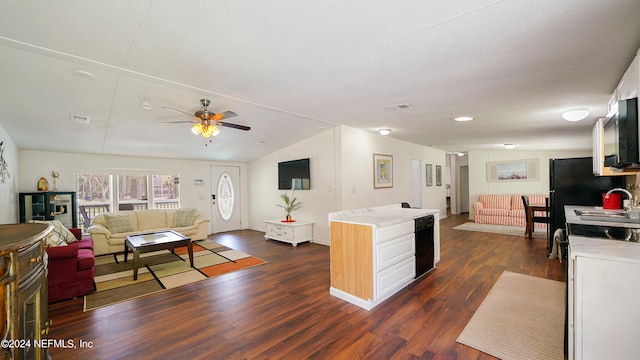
<point x="500" y="229"/>
<point x="521" y="318"/>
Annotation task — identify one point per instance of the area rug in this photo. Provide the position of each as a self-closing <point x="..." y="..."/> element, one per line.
<point x="499" y="229"/>
<point x="521" y="318"/>
<point x="162" y="270"/>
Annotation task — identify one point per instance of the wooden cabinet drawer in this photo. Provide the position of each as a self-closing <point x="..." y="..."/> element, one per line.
<point x="394" y="251"/>
<point x="280" y="231"/>
<point x="29" y="259"/>
<point x="395" y="277"/>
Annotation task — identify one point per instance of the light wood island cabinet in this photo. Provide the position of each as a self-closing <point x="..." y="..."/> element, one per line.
<point x="373" y="255"/>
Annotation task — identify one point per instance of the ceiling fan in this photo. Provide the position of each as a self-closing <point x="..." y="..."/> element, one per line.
<point x="206" y="122"/>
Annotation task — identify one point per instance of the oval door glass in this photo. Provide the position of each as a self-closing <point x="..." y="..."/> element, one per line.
<point x="225" y="197"/>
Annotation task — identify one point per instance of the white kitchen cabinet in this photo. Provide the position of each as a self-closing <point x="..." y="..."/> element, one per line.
<point x="369" y="264"/>
<point x="628" y="86"/>
<point x="603" y="299"/>
<point x="373" y="252"/>
<point x="290" y="232"/>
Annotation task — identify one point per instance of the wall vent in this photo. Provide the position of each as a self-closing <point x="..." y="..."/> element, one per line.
<point x="399" y="106"/>
<point x="80" y="119"/>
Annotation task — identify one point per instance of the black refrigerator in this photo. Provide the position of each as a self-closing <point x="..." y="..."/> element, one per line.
<point x="571" y="182"/>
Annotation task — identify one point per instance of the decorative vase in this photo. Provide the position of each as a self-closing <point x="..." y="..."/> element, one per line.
<point x="43" y="184"/>
<point x="289" y="218"/>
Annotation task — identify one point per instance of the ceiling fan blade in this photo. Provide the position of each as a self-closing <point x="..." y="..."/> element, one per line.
<point x="224" y="115"/>
<point x="176" y="110"/>
<point x="235" y="126"/>
<point x="177" y="122"/>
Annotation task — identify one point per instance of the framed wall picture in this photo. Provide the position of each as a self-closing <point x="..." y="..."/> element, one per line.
<point x="513" y="170"/>
<point x="429" y="172"/>
<point x="382" y="171"/>
<point x="438" y="175"/>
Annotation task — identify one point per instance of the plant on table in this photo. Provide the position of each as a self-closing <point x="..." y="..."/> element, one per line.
<point x="291" y="204"/>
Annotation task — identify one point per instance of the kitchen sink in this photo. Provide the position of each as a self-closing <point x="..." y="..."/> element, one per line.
<point x="607" y="216"/>
<point x="613" y="213"/>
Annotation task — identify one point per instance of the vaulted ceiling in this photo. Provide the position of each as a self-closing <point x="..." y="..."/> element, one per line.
<point x="291" y="69"/>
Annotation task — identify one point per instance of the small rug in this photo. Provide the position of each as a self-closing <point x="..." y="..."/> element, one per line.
<point x="500" y="229"/>
<point x="162" y="270"/>
<point x="521" y="318"/>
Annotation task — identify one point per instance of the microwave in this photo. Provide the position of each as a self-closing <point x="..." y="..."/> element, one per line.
<point x="621" y="133"/>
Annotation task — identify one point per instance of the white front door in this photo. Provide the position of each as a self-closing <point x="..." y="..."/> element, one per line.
<point x="225" y="198"/>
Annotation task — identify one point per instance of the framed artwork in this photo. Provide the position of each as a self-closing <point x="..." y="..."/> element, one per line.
<point x="382" y="171"/>
<point x="513" y="170"/>
<point x="438" y="175"/>
<point x="429" y="171"/>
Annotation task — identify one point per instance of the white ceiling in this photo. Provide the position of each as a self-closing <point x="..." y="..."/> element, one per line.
<point x="291" y="69"/>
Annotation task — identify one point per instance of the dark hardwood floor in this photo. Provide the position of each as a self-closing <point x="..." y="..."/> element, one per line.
<point x="283" y="310"/>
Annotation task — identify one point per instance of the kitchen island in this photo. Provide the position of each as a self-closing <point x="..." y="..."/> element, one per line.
<point x="603" y="292"/>
<point x="373" y="252"/>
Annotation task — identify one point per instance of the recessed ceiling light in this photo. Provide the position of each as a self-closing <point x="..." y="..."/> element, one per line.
<point x="575" y="115"/>
<point x="509" y="146"/>
<point x="145" y="105"/>
<point x="464" y="118"/>
<point x="83" y="75"/>
<point x="384" y="131"/>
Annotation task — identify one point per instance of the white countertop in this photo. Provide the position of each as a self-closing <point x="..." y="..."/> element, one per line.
<point x="572" y="218"/>
<point x="380" y="216"/>
<point x="604" y="249"/>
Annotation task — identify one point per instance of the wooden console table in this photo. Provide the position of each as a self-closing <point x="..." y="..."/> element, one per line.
<point x="290" y="232"/>
<point x="23" y="291"/>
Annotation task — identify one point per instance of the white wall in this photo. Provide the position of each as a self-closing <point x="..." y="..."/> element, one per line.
<point x="478" y="172"/>
<point x="9" y="188"/>
<point x="37" y="164"/>
<point x="316" y="202"/>
<point x="358" y="147"/>
<point x="341" y="162"/>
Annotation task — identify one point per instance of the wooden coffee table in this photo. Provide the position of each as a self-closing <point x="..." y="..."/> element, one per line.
<point x="154" y="241"/>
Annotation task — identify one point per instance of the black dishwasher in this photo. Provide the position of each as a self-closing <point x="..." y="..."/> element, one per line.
<point x="424" y="244"/>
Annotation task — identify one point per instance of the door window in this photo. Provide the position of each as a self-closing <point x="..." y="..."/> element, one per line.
<point x="225" y="197"/>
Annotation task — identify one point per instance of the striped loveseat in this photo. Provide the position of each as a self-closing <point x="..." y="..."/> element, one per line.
<point x="504" y="209"/>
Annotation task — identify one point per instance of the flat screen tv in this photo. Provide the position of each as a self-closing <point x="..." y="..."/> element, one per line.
<point x="294" y="175"/>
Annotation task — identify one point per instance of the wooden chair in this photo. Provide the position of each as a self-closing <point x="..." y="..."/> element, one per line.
<point x="532" y="219"/>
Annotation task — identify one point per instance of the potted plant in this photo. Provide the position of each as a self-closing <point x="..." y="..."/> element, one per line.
<point x="291" y="203"/>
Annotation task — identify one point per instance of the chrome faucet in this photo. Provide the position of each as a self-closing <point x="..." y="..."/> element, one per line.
<point x="621" y="190"/>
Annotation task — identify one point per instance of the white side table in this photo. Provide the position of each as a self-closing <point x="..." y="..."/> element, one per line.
<point x="290" y="232"/>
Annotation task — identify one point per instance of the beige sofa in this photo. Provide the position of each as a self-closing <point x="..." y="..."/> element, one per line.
<point x="109" y="230"/>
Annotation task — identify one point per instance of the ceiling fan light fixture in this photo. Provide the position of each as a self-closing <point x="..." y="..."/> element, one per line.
<point x="575" y="115"/>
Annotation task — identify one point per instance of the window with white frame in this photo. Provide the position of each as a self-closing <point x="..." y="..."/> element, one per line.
<point x="166" y="191"/>
<point x="133" y="191"/>
<point x="93" y="191"/>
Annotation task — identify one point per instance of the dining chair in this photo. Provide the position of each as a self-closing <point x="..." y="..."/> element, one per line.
<point x="532" y="219"/>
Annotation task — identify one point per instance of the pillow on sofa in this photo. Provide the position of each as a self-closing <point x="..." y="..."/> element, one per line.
<point x="184" y="217"/>
<point x="59" y="235"/>
<point x="118" y="223"/>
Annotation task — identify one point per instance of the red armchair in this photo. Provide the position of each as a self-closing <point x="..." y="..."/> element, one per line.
<point x="71" y="269"/>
